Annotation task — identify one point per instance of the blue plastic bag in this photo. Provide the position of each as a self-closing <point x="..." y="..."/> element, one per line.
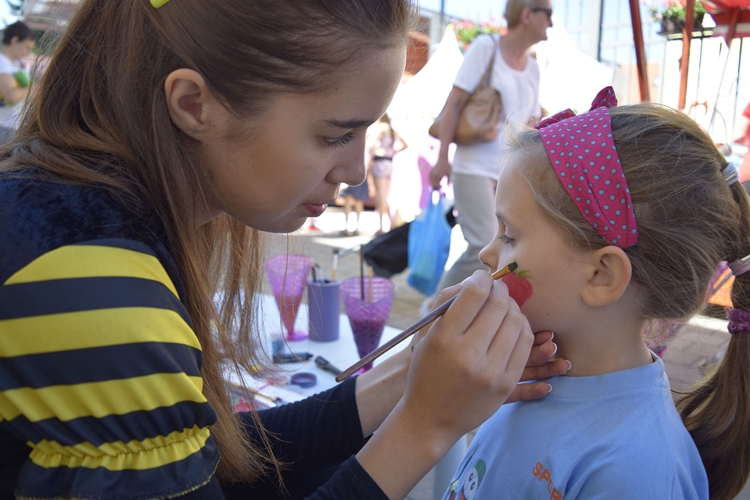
<point x="429" y="245"/>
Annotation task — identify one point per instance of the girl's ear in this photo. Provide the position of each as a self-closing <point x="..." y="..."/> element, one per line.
<point x="191" y="104"/>
<point x="609" y="278"/>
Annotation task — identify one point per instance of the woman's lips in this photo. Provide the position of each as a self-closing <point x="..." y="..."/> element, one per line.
<point x="315" y="209"/>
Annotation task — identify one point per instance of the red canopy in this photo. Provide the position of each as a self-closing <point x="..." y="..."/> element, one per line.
<point x="732" y="17"/>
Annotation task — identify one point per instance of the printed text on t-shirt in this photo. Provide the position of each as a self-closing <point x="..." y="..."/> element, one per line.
<point x="543" y="474"/>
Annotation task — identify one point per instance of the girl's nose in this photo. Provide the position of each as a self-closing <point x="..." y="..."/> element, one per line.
<point x="488" y="257"/>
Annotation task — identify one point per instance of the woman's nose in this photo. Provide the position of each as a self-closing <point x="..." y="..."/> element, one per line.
<point x="350" y="166"/>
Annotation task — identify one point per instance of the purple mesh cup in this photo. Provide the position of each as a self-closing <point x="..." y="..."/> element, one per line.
<point x="288" y="275"/>
<point x="367" y="317"/>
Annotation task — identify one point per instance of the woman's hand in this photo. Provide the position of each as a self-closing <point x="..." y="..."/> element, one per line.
<point x="380" y="389"/>
<point x="461" y="371"/>
<point x="441" y="169"/>
<point x="541" y="363"/>
<point x="469" y="361"/>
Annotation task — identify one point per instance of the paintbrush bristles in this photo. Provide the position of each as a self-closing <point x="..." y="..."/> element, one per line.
<point x="432" y="316"/>
<point x="505" y="271"/>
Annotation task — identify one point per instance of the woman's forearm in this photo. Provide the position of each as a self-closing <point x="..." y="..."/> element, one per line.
<point x="453" y="106"/>
<point x="380" y="389"/>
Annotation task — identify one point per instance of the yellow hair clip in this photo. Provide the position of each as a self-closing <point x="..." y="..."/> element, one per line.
<point x="158" y="3"/>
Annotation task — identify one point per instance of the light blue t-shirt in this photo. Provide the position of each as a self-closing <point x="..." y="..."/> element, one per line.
<point x="616" y="435"/>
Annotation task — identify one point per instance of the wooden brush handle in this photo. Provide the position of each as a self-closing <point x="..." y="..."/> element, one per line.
<point x="432" y="316"/>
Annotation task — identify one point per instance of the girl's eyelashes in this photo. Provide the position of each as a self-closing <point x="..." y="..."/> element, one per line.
<point x="505" y="239"/>
<point x="341" y="140"/>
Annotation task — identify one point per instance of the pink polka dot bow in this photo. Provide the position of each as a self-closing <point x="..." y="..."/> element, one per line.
<point x="583" y="153"/>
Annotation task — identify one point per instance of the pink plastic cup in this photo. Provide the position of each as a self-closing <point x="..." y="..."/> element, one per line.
<point x="288" y="275"/>
<point x="367" y="316"/>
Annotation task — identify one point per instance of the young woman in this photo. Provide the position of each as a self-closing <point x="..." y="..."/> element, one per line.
<point x="165" y="136"/>
<point x="619" y="216"/>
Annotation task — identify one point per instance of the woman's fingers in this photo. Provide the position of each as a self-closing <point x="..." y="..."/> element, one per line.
<point x="529" y="392"/>
<point x="513" y="329"/>
<point x="468" y="304"/>
<point x="543" y="336"/>
<point x="515" y="325"/>
<point x="471" y="359"/>
<point x="552" y="368"/>
<point x="541" y="352"/>
<point x="444" y="295"/>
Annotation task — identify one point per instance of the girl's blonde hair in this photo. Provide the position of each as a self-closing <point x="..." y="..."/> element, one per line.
<point x="100" y="118"/>
<point x="689" y="220"/>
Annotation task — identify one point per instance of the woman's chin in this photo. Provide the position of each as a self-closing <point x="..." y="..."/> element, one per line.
<point x="286" y="225"/>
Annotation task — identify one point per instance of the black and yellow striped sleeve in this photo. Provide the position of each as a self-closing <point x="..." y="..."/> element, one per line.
<point x="100" y="376"/>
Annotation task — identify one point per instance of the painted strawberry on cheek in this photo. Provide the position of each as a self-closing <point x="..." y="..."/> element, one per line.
<point x="519" y="287"/>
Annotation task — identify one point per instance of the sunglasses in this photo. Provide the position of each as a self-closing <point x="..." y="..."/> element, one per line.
<point x="543" y="9"/>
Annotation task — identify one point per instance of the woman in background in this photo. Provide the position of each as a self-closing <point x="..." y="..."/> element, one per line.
<point x="476" y="167"/>
<point x="385" y="144"/>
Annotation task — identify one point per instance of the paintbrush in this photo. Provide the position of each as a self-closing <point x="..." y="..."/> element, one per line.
<point x="432" y="316"/>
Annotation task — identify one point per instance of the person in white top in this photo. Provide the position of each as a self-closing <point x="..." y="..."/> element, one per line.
<point x="18" y="42"/>
<point x="476" y="167"/>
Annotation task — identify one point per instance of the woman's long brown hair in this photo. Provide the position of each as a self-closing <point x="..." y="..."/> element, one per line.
<point x="100" y="118"/>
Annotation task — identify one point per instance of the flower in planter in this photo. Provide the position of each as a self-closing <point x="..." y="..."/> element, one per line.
<point x="467" y="31"/>
<point x="671" y="14"/>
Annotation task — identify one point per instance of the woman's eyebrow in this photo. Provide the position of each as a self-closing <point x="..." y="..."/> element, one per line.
<point x="349" y="124"/>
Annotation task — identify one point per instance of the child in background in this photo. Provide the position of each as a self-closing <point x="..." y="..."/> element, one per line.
<point x="618" y="216"/>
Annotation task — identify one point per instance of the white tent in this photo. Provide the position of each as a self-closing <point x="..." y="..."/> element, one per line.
<point x="422" y="97"/>
<point x="414" y="107"/>
<point x="569" y="78"/>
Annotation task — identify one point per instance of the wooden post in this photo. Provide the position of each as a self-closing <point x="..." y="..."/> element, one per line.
<point x="733" y="18"/>
<point x="687" y="38"/>
<point x="640" y="51"/>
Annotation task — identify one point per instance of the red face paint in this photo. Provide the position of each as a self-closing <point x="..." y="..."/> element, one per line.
<point x="520" y="289"/>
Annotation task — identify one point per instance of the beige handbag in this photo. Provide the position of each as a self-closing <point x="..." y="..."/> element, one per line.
<point x="479" y="120"/>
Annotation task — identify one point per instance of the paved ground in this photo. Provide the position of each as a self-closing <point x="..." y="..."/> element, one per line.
<point x="694" y="344"/>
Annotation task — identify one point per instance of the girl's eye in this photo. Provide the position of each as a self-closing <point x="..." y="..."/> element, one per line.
<point x="504" y="238"/>
<point x="340" y="141"/>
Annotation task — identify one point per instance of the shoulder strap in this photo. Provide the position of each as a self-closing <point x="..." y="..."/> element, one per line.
<point x="485" y="82"/>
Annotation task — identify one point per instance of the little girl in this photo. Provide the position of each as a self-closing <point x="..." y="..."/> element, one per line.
<point x="618" y="216"/>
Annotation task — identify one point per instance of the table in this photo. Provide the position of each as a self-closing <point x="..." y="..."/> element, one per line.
<point x="341" y="353"/>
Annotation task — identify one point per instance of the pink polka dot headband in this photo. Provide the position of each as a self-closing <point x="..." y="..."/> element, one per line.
<point x="583" y="153"/>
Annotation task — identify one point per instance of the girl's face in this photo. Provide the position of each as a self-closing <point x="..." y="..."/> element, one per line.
<point x="549" y="293"/>
<point x="302" y="148"/>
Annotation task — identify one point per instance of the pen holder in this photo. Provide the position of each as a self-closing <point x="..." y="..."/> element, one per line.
<point x="323" y="302"/>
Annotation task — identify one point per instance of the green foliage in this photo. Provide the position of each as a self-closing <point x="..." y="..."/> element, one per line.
<point x="674" y="9"/>
<point x="467" y="31"/>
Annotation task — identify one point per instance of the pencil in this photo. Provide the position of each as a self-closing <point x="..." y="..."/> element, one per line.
<point x="432" y="316"/>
